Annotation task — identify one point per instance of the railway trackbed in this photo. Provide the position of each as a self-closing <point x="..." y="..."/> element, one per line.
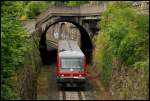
<point x="71" y="95"/>
<point x="48" y="89"/>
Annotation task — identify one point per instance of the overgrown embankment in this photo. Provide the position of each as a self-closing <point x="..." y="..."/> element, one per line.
<point x="20" y="56"/>
<point x="122" y="50"/>
<point x="27" y="74"/>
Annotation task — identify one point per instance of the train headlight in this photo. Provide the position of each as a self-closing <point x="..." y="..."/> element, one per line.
<point x="80" y="75"/>
<point x="62" y="75"/>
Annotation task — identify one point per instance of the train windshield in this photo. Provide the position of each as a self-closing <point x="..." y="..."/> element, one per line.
<point x="72" y="63"/>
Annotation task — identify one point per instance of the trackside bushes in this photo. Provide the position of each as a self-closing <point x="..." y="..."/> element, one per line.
<point x="124" y="36"/>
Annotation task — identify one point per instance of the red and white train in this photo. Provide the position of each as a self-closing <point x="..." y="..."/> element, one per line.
<point x="71" y="64"/>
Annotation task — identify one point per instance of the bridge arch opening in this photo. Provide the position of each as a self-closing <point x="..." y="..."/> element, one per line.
<point x="50" y="57"/>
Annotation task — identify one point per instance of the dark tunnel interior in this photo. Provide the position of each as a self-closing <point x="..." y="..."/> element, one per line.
<point x="49" y="57"/>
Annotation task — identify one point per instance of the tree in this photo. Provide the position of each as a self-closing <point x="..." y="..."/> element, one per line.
<point x="34" y="8"/>
<point x="14" y="45"/>
<point x="124" y="35"/>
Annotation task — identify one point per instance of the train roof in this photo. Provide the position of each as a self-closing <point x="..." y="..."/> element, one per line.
<point x="69" y="48"/>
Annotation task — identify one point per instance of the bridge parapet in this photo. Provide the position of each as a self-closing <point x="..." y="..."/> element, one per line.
<point x="91" y="9"/>
<point x="87" y="10"/>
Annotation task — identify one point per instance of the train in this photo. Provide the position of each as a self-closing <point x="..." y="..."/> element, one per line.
<point x="71" y="64"/>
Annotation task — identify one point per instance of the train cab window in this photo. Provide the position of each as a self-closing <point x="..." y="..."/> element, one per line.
<point x="71" y="63"/>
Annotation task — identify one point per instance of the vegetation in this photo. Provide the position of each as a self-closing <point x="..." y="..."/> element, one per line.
<point x="34" y="8"/>
<point x="123" y="37"/>
<point x="14" y="45"/>
<point x="121" y="47"/>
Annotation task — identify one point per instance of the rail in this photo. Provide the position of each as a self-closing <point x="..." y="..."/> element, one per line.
<point x="71" y="95"/>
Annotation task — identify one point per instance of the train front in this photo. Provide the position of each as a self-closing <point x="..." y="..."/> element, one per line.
<point x="71" y="68"/>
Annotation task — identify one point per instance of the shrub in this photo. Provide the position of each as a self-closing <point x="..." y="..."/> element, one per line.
<point x="34" y="8"/>
<point x="14" y="45"/>
<point x="124" y="35"/>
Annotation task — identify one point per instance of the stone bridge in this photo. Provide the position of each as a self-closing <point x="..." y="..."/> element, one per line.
<point x="85" y="18"/>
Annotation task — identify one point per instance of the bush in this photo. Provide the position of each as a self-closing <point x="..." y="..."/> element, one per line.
<point x="103" y="58"/>
<point x="126" y="32"/>
<point x="34" y="8"/>
<point x="130" y="84"/>
<point x="23" y="18"/>
<point x="14" y="45"/>
<point x="124" y="35"/>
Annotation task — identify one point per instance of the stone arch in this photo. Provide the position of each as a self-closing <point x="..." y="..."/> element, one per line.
<point x="86" y="42"/>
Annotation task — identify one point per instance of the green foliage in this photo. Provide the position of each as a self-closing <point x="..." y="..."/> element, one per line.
<point x="124" y="35"/>
<point x="126" y="31"/>
<point x="106" y="67"/>
<point x="8" y="93"/>
<point x="34" y="8"/>
<point x="134" y="47"/>
<point x="14" y="45"/>
<point x="103" y="58"/>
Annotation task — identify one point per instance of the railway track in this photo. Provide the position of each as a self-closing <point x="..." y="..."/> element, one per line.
<point x="71" y="95"/>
